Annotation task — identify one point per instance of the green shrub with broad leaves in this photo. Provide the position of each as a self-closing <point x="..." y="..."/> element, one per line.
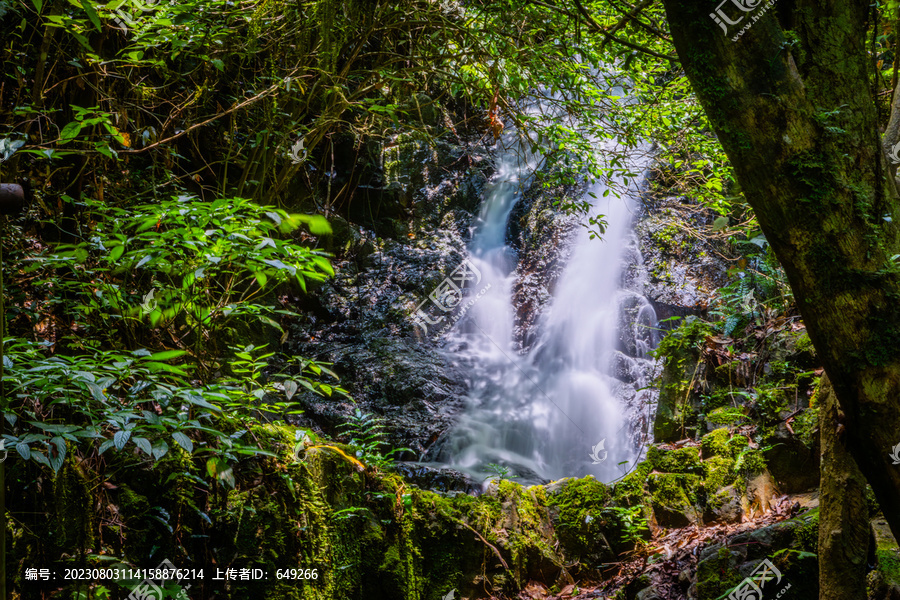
<point x="180" y="273"/>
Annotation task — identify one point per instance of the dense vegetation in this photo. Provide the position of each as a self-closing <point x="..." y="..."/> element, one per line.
<point x="192" y="169"/>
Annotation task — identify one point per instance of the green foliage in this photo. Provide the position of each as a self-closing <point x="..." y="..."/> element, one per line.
<point x="760" y="286"/>
<point x="190" y="267"/>
<point x="252" y="373"/>
<point x="631" y="522"/>
<point x="110" y="400"/>
<point x="366" y="434"/>
<point x="500" y="472"/>
<point x="691" y="333"/>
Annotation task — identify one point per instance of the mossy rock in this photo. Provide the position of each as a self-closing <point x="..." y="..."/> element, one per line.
<point x="674" y="498"/>
<point x="719" y="473"/>
<point x="884" y="580"/>
<point x="677" y="407"/>
<point x="576" y="510"/>
<point x="678" y="460"/>
<point x="74" y="514"/>
<point x="718" y="574"/>
<point x="722" y="567"/>
<point x="724" y="506"/>
<point x="631" y="490"/>
<point x="720" y="442"/>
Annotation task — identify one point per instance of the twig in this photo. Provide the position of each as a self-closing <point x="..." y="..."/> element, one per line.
<point x="246" y="102"/>
<point x="486" y="543"/>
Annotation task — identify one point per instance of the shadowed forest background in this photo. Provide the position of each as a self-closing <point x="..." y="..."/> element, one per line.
<point x="213" y="348"/>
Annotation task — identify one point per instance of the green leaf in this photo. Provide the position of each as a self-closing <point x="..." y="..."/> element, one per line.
<point x="38" y="4"/>
<point x="183" y="441"/>
<point x="91" y="13"/>
<point x="317" y="224"/>
<point x="40" y="457"/>
<point x="23" y="450"/>
<point x="199" y="401"/>
<point x="160" y="450"/>
<point x="156" y="367"/>
<point x="56" y="461"/>
<point x="96" y="392"/>
<point x="144" y="445"/>
<point x="116" y="253"/>
<point x="720" y="223"/>
<point x="167" y="355"/>
<point x="121" y="438"/>
<point x="70" y="132"/>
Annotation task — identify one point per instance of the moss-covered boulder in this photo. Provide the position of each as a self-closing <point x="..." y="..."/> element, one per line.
<point x="675" y="498"/>
<point x="789" y="549"/>
<point x="883" y="581"/>
<point x="676" y="460"/>
<point x="677" y="408"/>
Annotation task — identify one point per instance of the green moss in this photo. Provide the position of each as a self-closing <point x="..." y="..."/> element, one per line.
<point x="751" y="462"/>
<point x="675" y="497"/>
<point x="578" y="506"/>
<point x="719" y="473"/>
<point x="806" y="537"/>
<point x="74" y="511"/>
<point x="715" y="443"/>
<point x="631" y="490"/>
<point x="717" y="575"/>
<point x="679" y="460"/>
<point x="804" y="344"/>
<point x="806" y="425"/>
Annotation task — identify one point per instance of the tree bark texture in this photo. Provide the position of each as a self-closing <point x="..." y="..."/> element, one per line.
<point x="792" y="102"/>
<point x="843" y="513"/>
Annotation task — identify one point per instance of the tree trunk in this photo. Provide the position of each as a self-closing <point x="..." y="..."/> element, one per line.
<point x="843" y="514"/>
<point x="792" y="102"/>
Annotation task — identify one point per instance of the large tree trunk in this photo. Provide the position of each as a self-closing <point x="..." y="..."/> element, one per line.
<point x="792" y="103"/>
<point x="843" y="513"/>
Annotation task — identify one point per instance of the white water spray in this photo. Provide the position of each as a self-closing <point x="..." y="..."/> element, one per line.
<point x="544" y="414"/>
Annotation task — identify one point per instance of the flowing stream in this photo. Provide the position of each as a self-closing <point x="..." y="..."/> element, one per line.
<point x="540" y="415"/>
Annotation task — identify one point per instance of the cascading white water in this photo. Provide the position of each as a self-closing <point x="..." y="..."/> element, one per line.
<point x="541" y="414"/>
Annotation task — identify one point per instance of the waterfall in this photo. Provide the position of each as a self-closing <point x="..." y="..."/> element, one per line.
<point x="569" y="405"/>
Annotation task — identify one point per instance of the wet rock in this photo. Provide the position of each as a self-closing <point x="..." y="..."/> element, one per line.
<point x="724" y="507"/>
<point x="683" y="269"/>
<point x="793" y="464"/>
<point x="884" y="580"/>
<point x="541" y="235"/>
<point x="674" y="499"/>
<point x="649" y="593"/>
<point x="437" y="479"/>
